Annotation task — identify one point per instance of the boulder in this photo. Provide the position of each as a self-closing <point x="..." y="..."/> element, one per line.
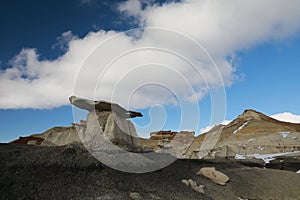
<point x="214" y="175"/>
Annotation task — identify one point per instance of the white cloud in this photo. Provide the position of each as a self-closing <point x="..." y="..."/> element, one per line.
<point x="131" y="7"/>
<point x="208" y="128"/>
<point x="222" y="27"/>
<point x="64" y="39"/>
<point x="287" y="117"/>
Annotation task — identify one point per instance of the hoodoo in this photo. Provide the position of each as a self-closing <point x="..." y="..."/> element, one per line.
<point x="108" y="126"/>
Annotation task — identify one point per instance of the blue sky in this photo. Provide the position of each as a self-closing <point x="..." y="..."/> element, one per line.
<point x="263" y="75"/>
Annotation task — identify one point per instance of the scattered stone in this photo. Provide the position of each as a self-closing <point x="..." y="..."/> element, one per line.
<point x="185" y="182"/>
<point x="134" y="196"/>
<point x="194" y="185"/>
<point x="214" y="175"/>
<point x="154" y="197"/>
<point x="106" y="197"/>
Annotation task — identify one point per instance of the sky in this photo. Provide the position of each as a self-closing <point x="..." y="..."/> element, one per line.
<point x="184" y="64"/>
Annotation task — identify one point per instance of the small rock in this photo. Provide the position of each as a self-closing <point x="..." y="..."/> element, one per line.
<point x="104" y="198"/>
<point x="134" y="196"/>
<point x="154" y="197"/>
<point x="214" y="175"/>
<point x="199" y="188"/>
<point x="194" y="185"/>
<point x="185" y="182"/>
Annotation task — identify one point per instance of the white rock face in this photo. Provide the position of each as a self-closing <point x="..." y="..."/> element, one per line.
<point x="211" y="139"/>
<point x="103" y="133"/>
<point x="179" y="144"/>
<point x="214" y="175"/>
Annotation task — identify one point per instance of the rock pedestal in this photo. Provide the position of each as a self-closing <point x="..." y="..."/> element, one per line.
<point x="107" y="126"/>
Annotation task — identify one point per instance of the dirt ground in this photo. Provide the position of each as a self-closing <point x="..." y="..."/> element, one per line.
<point x="40" y="172"/>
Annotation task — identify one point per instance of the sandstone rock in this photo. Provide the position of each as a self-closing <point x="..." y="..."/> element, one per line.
<point x="28" y="140"/>
<point x="214" y="175"/>
<point x="186" y="182"/>
<point x="194" y="185"/>
<point x="60" y="136"/>
<point x="100" y="106"/>
<point x="250" y="115"/>
<point x="176" y="143"/>
<point x="160" y="135"/>
<point x="107" y="126"/>
<point x="104" y="130"/>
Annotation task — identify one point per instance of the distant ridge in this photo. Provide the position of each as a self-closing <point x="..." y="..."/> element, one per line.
<point x="252" y="132"/>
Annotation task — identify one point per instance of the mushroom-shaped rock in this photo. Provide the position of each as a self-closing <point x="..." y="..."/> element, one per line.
<point x="102" y="106"/>
<point x="107" y="123"/>
<point x="214" y="175"/>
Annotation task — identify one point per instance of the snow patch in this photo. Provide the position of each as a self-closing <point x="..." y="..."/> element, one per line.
<point x="261" y="148"/>
<point x="252" y="140"/>
<point x="240" y="128"/>
<point x="239" y="157"/>
<point x="284" y="134"/>
<point x="265" y="157"/>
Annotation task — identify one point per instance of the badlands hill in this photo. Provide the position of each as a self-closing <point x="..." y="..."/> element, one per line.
<point x="250" y="133"/>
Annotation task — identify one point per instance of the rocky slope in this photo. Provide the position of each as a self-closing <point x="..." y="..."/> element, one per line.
<point x="56" y="136"/>
<point x="250" y="134"/>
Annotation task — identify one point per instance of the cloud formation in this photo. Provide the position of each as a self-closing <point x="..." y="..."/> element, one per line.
<point x="208" y="128"/>
<point x="157" y="66"/>
<point x="287" y="117"/>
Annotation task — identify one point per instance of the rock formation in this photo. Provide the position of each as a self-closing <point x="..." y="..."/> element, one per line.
<point x="250" y="133"/>
<point x="107" y="126"/>
<point x="56" y="136"/>
<point x="194" y="185"/>
<point x="163" y="135"/>
<point x="178" y="144"/>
